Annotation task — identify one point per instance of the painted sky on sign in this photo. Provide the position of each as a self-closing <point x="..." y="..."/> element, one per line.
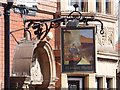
<point x="87" y="33"/>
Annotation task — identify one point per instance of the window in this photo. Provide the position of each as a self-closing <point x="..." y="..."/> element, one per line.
<point x="98" y="83"/>
<point x="75" y="83"/>
<point x="108" y="7"/>
<point x="98" y="6"/>
<point x="108" y="83"/>
<point x="72" y="2"/>
<point x="83" y="5"/>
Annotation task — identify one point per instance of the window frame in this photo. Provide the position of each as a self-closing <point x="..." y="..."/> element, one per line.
<point x="98" y="82"/>
<point x="108" y="83"/>
<point x="82" y="9"/>
<point x="108" y="7"/>
<point x="74" y="78"/>
<point x="99" y="7"/>
<point x="68" y="7"/>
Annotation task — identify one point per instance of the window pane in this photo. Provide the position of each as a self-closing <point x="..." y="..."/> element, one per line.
<point x="108" y="83"/>
<point x="108" y="7"/>
<point x="83" y="4"/>
<point x="98" y="6"/>
<point x="72" y="2"/>
<point x="97" y="83"/>
<point x="75" y="83"/>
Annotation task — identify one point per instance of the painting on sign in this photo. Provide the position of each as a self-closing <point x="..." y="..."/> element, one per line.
<point x="78" y="49"/>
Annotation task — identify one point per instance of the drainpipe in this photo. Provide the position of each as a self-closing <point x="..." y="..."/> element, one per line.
<point x="7" y="45"/>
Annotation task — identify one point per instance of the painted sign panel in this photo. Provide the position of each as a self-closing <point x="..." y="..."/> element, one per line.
<point x="78" y="50"/>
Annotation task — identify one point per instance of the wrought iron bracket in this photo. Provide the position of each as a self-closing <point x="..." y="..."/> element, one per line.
<point x="37" y="25"/>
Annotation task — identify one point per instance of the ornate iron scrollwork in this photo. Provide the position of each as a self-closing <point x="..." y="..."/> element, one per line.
<point x="79" y="16"/>
<point x="41" y="32"/>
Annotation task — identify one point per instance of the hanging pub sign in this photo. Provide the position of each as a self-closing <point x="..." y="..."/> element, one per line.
<point x="78" y="49"/>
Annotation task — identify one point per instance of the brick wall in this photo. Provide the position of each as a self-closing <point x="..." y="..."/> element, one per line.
<point x="1" y="46"/>
<point x="16" y="22"/>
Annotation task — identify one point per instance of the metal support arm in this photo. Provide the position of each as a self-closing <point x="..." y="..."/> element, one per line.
<point x="54" y="23"/>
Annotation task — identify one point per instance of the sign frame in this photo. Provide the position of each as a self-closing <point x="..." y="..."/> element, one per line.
<point x="71" y="68"/>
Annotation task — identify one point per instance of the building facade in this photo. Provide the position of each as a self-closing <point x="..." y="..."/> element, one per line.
<point x="106" y="53"/>
<point x="43" y="10"/>
<point x="106" y="56"/>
